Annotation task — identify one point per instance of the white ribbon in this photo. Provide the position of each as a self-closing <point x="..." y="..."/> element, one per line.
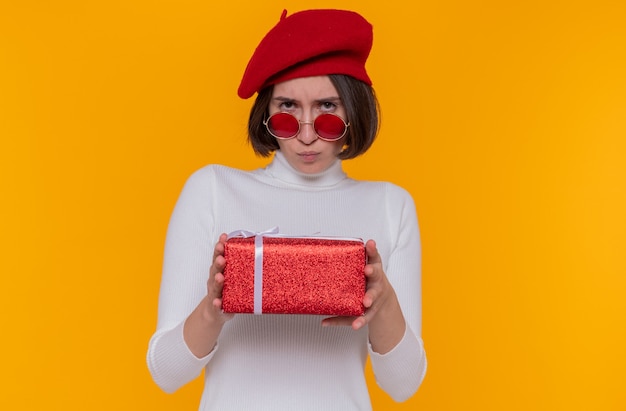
<point x="247" y="233"/>
<point x="258" y="261"/>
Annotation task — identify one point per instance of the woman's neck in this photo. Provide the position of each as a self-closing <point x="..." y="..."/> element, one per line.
<point x="280" y="169"/>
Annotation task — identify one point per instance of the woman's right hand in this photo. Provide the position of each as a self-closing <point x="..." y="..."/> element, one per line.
<point x="215" y="284"/>
<point x="204" y="325"/>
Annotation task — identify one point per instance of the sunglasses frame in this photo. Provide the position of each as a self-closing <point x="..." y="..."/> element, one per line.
<point x="312" y="123"/>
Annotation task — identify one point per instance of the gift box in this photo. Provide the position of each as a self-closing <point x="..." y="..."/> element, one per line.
<point x="294" y="275"/>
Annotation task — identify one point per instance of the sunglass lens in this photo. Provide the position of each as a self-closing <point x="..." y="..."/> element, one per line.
<point x="283" y="125"/>
<point x="329" y="127"/>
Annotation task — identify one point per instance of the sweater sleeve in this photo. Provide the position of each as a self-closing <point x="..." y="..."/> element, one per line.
<point x="187" y="259"/>
<point x="401" y="371"/>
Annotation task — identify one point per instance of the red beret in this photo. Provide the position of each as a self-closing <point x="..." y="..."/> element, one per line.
<point x="309" y="43"/>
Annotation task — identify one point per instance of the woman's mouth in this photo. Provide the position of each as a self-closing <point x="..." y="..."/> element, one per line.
<point x="308" y="156"/>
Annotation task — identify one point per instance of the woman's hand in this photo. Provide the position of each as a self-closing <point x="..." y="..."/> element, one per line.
<point x="382" y="309"/>
<point x="204" y="324"/>
<point x="215" y="284"/>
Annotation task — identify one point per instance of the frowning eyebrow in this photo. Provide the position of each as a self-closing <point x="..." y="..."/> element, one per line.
<point x="333" y="99"/>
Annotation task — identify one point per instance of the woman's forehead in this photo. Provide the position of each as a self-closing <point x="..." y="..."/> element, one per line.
<point x="306" y="88"/>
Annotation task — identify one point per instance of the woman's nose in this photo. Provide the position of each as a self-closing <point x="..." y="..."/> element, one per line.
<point x="307" y="133"/>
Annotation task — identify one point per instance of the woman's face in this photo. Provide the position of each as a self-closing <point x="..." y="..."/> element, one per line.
<point x="306" y="98"/>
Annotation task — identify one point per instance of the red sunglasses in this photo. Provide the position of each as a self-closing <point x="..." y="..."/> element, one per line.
<point x="327" y="126"/>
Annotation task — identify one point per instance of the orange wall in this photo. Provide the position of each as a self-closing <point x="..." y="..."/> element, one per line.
<point x="505" y="120"/>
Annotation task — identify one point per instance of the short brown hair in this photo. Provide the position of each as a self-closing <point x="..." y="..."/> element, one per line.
<point x="362" y="111"/>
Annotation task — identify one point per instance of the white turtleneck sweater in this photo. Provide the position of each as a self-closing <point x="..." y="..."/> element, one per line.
<point x="286" y="362"/>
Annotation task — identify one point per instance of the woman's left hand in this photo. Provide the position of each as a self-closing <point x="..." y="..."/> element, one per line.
<point x="380" y="298"/>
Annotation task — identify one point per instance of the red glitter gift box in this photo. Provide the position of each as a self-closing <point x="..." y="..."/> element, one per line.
<point x="294" y="275"/>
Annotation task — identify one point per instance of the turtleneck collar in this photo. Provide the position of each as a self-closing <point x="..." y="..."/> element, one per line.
<point x="280" y="169"/>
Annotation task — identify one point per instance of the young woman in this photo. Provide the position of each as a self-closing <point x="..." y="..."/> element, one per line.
<point x="314" y="108"/>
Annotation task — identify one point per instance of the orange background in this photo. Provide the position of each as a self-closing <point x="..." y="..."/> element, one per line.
<point x="505" y="120"/>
